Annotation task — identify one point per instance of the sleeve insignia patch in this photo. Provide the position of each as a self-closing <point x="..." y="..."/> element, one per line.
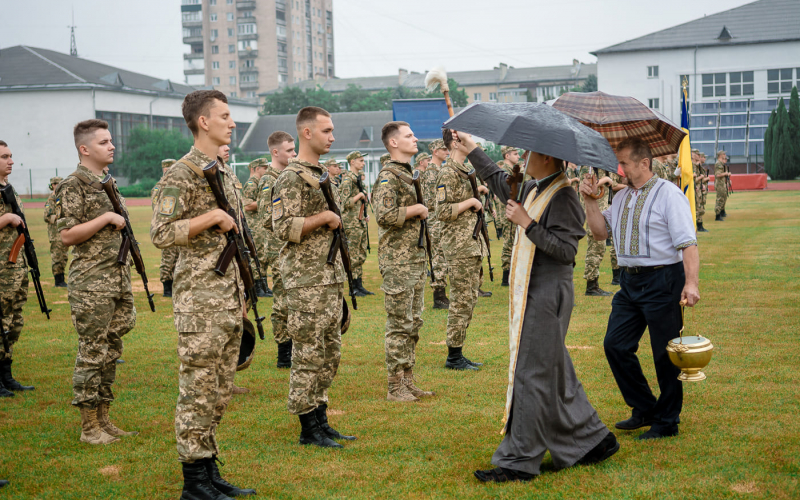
<point x="237" y="185"/>
<point x="385" y="181"/>
<point x="167" y="206"/>
<point x="388" y="202"/>
<point x="441" y="193"/>
<point x="277" y="209"/>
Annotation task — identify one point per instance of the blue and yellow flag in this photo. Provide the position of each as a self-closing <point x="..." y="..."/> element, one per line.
<point x="685" y="153"/>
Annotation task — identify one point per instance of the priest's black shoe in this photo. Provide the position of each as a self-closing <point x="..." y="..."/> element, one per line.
<point x="502" y="475"/>
<point x="505" y="278"/>
<point x="457" y="361"/>
<point x="594" y="290"/>
<point x="285" y="354"/>
<point x="8" y="379"/>
<point x="473" y="363"/>
<point x="222" y="485"/>
<point x="604" y="449"/>
<point x="197" y="484"/>
<point x="617" y="274"/>
<point x="167" y="288"/>
<point x="633" y="423"/>
<point x="311" y="433"/>
<point x="5" y="393"/>
<point x="658" y="434"/>
<point x="322" y="420"/>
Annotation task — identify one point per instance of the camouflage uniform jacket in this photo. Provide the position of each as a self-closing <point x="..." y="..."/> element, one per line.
<point x="659" y="169"/>
<point x="265" y="209"/>
<point x="347" y="190"/>
<point x="51" y="217"/>
<point x="94" y="265"/>
<point x="720" y="182"/>
<point x="184" y="195"/>
<point x="295" y="196"/>
<point x="429" y="190"/>
<point x="451" y="189"/>
<point x="250" y="194"/>
<point x="8" y="235"/>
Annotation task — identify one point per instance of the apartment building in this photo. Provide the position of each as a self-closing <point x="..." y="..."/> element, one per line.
<point x="244" y="48"/>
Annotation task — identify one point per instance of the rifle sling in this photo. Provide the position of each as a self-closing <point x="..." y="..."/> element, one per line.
<point x="81" y="176"/>
<point x="310" y="180"/>
<point x="400" y="175"/>
<point x="193" y="167"/>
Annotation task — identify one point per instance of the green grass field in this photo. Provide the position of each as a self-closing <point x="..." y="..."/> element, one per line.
<point x="737" y="437"/>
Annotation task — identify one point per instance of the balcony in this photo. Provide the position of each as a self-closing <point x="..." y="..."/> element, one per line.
<point x="245" y="5"/>
<point x="193" y="39"/>
<point x="248" y="53"/>
<point x="280" y="5"/>
<point x="248" y="70"/>
<point x="248" y="85"/>
<point x="252" y="36"/>
<point x="193" y="55"/>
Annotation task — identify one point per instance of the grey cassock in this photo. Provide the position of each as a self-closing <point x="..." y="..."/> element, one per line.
<point x="549" y="410"/>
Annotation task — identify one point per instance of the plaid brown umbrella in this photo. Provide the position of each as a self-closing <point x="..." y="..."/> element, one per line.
<point x="619" y="117"/>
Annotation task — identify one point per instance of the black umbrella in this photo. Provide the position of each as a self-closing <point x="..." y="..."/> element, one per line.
<point x="536" y="127"/>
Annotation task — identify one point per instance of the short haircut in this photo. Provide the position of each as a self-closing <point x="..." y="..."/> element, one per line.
<point x="3" y="143"/>
<point x="84" y="129"/>
<point x="197" y="104"/>
<point x="277" y="138"/>
<point x="720" y="153"/>
<point x="390" y="130"/>
<point x="447" y="138"/>
<point x="639" y="149"/>
<point x="308" y="115"/>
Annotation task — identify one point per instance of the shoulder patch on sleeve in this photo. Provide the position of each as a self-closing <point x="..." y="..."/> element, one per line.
<point x="277" y="209"/>
<point x="388" y="202"/>
<point x="169" y="200"/>
<point x="441" y="192"/>
<point x="384" y="181"/>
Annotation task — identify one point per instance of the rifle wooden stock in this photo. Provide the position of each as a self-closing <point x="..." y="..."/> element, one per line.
<point x="480" y="226"/>
<point x="15" y="248"/>
<point x="339" y="243"/>
<point x="124" y="250"/>
<point x="362" y="212"/>
<point x="225" y="258"/>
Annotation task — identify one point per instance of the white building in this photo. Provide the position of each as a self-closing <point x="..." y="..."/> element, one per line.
<point x="737" y="64"/>
<point x="44" y="93"/>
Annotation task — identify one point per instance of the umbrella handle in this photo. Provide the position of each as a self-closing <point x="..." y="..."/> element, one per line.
<point x="601" y="191"/>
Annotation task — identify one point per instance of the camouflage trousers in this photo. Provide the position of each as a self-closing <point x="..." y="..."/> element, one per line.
<point x="315" y="317"/>
<point x="169" y="257"/>
<point x="439" y="260"/>
<point x="722" y="197"/>
<point x="101" y="320"/>
<point x="595" y="252"/>
<point x="464" y="282"/>
<point x="403" y="323"/>
<point x="13" y="295"/>
<point x="279" y="314"/>
<point x="509" y="233"/>
<point x="357" y="243"/>
<point x="699" y="208"/>
<point x="58" y="256"/>
<point x="208" y="348"/>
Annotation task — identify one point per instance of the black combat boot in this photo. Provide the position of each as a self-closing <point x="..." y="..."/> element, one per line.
<point x="718" y="218"/>
<point x="700" y="228"/>
<point x="311" y="433"/>
<point x="167" y="288"/>
<point x="482" y="293"/>
<point x="724" y="213"/>
<point x="322" y="419"/>
<point x="440" y="300"/>
<point x="594" y="290"/>
<point x="8" y="379"/>
<point x="285" y="354"/>
<point x="356" y="290"/>
<point x="222" y="485"/>
<point x="609" y="243"/>
<point x="505" y="278"/>
<point x="267" y="291"/>
<point x="60" y="283"/>
<point x="617" y="273"/>
<point x="360" y="286"/>
<point x="261" y="289"/>
<point x="197" y="484"/>
<point x="457" y="361"/>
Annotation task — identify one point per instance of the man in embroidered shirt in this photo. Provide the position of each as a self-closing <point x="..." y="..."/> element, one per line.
<point x="656" y="244"/>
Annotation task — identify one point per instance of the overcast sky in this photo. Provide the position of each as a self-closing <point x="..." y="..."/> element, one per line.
<point x="371" y="37"/>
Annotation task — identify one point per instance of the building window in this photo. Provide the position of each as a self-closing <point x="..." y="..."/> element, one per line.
<point x="233" y="94"/>
<point x="214" y="64"/>
<point x="249" y="78"/>
<point x="284" y="78"/>
<point x="213" y="35"/>
<point x="652" y="103"/>
<point x="229" y="2"/>
<point x="231" y="48"/>
<point x="476" y="96"/>
<point x="282" y="64"/>
<point x="215" y="49"/>
<point x="192" y="16"/>
<point x="714" y="84"/>
<point x="231" y="64"/>
<point x="212" y="18"/>
<point x="652" y="72"/>
<point x="779" y="81"/>
<point x="492" y="96"/>
<point x="741" y="83"/>
<point x="281" y="30"/>
<point x="230" y="31"/>
<point x="215" y="80"/>
<point x="232" y="80"/>
<point x="229" y="16"/>
<point x="247" y="29"/>
<point x="249" y="63"/>
<point x="212" y="2"/>
<point x="248" y="45"/>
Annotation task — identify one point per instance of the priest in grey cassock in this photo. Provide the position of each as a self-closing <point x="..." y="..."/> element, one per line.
<point x="546" y="407"/>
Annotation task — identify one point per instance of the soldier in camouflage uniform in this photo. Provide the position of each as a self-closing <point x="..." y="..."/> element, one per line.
<point x="314" y="288"/>
<point x="250" y="195"/>
<point x="699" y="177"/>
<point x="439" y="271"/>
<point x="13" y="279"/>
<point x="169" y="256"/>
<point x="384" y="158"/>
<point x="596" y="250"/>
<point x="721" y="177"/>
<point x="456" y="210"/>
<point x="510" y="158"/>
<point x="660" y="169"/>
<point x="58" y="252"/>
<point x="355" y="218"/>
<point x="100" y="295"/>
<point x="401" y="261"/>
<point x="704" y="184"/>
<point x="573" y="176"/>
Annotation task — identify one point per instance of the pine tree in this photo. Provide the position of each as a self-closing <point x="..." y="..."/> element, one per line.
<point x="793" y="135"/>
<point x="780" y="145"/>
<point x="768" y="166"/>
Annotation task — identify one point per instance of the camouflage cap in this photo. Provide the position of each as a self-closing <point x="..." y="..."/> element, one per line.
<point x="331" y="162"/>
<point x="384" y="158"/>
<point x="54" y="181"/>
<point x="167" y="163"/>
<point x="696" y="151"/>
<point x="436" y="144"/>
<point x="258" y="162"/>
<point x="420" y="157"/>
<point x="353" y="155"/>
<point x="507" y="149"/>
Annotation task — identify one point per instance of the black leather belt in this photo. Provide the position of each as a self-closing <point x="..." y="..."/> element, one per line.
<point x="641" y="269"/>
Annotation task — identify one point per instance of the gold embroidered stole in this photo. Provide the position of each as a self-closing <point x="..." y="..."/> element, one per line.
<point x="519" y="279"/>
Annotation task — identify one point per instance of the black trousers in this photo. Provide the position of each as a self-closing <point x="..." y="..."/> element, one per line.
<point x="650" y="300"/>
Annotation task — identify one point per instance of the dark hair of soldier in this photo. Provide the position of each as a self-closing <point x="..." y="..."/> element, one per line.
<point x="84" y="129"/>
<point x="197" y="104"/>
<point x="447" y="137"/>
<point x="3" y="144"/>
<point x="639" y="149"/>
<point x="389" y="130"/>
<point x="308" y="115"/>
<point x="277" y="138"/>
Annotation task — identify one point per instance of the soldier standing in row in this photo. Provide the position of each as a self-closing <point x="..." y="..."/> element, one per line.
<point x="100" y="295"/>
<point x="14" y="282"/>
<point x="250" y="194"/>
<point x="355" y="218"/>
<point x="704" y="186"/>
<point x="314" y="288"/>
<point x="169" y="256"/>
<point x="208" y="307"/>
<point x="281" y="148"/>
<point x="510" y="158"/>
<point x="721" y="179"/>
<point x="58" y="252"/>
<point x="401" y="260"/>
<point x="596" y="250"/>
<point x="699" y="178"/>
<point x="457" y="209"/>
<point x="439" y="271"/>
<point x="384" y="158"/>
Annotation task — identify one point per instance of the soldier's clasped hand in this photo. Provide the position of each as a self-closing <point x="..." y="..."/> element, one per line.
<point x="115" y="220"/>
<point x="224" y="222"/>
<point x="12" y="220"/>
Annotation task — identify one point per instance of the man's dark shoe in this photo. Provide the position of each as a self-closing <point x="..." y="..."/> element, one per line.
<point x="60" y="283"/>
<point x="594" y="290"/>
<point x="197" y="484"/>
<point x="457" y="361"/>
<point x="617" y="273"/>
<point x="657" y="434"/>
<point x="167" y="289"/>
<point x="700" y="228"/>
<point x="285" y="354"/>
<point x="634" y="423"/>
<point x="3" y="482"/>
<point x="718" y="218"/>
<point x="505" y="278"/>
<point x="5" y="393"/>
<point x="604" y="449"/>
<point x="322" y="419"/>
<point x="360" y="286"/>
<point x="440" y="300"/>
<point x="222" y="485"/>
<point x="502" y="475"/>
<point x="8" y="379"/>
<point x="311" y="433"/>
<point x="481" y="293"/>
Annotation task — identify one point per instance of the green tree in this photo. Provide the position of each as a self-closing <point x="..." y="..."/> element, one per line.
<point x="793" y="133"/>
<point x="768" y="141"/>
<point x="290" y="100"/>
<point x="780" y="154"/>
<point x="590" y="85"/>
<point x="147" y="147"/>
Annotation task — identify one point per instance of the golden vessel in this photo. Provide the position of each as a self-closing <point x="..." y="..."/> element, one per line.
<point x="691" y="354"/>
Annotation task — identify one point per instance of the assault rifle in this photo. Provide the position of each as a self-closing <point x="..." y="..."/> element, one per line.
<point x="24" y="239"/>
<point x="424" y="240"/>
<point x="129" y="244"/>
<point x="728" y="182"/>
<point x="235" y="248"/>
<point x="339" y="243"/>
<point x="362" y="212"/>
<point x="480" y="226"/>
